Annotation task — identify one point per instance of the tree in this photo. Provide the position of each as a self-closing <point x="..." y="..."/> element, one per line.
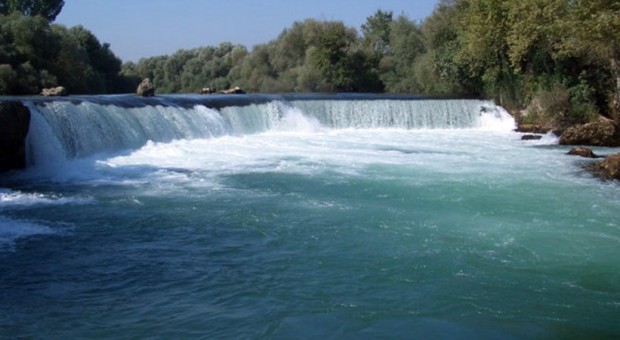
<point x="35" y="54"/>
<point x="534" y="33"/>
<point x="483" y="28"/>
<point x="290" y="47"/>
<point x="49" y="9"/>
<point x="28" y="50"/>
<point x="331" y="57"/>
<point x="72" y="66"/>
<point x="104" y="64"/>
<point x="406" y="45"/>
<point x="593" y="28"/>
<point x="444" y="71"/>
<point x="376" y="32"/>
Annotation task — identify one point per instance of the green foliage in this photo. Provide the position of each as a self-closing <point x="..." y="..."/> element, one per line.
<point x="534" y="33"/>
<point x="438" y="69"/>
<point x="330" y="58"/>
<point x="558" y="58"/>
<point x="311" y="56"/>
<point x="35" y="54"/>
<point x="376" y="32"/>
<point x="49" y="9"/>
<point x="26" y="43"/>
<point x="482" y="31"/>
<point x="559" y="106"/>
<point x="552" y="104"/>
<point x="397" y="67"/>
<point x="593" y="36"/>
<point x="513" y="52"/>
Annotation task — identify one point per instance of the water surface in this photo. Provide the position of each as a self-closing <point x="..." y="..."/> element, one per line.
<point x="304" y="219"/>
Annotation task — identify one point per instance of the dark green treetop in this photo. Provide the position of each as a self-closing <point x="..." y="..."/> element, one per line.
<point x="49" y="9"/>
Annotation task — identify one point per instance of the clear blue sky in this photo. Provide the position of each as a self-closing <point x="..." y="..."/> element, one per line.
<point x="144" y="28"/>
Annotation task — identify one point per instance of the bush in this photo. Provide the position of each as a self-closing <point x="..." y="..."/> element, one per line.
<point x="560" y="107"/>
<point x="548" y="106"/>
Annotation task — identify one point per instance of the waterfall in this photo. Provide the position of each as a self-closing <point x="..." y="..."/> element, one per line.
<point x="65" y="130"/>
<point x="406" y="114"/>
<point x="73" y="128"/>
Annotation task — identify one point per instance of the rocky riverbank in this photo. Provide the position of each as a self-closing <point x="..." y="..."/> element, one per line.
<point x="609" y="168"/>
<point x="602" y="133"/>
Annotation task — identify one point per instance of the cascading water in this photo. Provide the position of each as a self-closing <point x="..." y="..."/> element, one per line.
<point x="66" y="130"/>
<point x="406" y="114"/>
<point x="280" y="216"/>
<point x="78" y="130"/>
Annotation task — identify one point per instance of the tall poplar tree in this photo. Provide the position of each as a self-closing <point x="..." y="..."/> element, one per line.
<point x="376" y="33"/>
<point x="482" y="31"/>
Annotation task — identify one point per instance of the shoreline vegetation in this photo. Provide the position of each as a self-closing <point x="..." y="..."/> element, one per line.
<point x="553" y="64"/>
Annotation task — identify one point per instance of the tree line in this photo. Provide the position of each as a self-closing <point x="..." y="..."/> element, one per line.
<point x="310" y="56"/>
<point x="559" y="59"/>
<point x="35" y="53"/>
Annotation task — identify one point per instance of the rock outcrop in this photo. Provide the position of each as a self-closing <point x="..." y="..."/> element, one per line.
<point x="146" y="88"/>
<point x="531" y="128"/>
<point x="54" y="91"/>
<point x="609" y="168"/>
<point x="602" y="133"/>
<point x="206" y="90"/>
<point x="14" y="124"/>
<point x="235" y="90"/>
<point x="582" y="152"/>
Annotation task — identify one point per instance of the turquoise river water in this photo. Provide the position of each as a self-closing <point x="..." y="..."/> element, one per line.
<point x="302" y="217"/>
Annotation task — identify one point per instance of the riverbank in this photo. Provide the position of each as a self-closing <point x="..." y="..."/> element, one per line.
<point x="601" y="132"/>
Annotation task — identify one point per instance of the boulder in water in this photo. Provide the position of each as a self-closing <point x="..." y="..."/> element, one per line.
<point x="14" y="124"/>
<point x="609" y="168"/>
<point x="146" y="88"/>
<point x="54" y="91"/>
<point x="582" y="152"/>
<point x="602" y="133"/>
<point x="531" y="137"/>
<point x="206" y="90"/>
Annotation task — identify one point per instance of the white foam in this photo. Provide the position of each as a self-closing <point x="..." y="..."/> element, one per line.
<point x="496" y="118"/>
<point x="294" y="120"/>
<point x="80" y="142"/>
<point x="306" y="152"/>
<point x="11" y="230"/>
<point x="15" y="199"/>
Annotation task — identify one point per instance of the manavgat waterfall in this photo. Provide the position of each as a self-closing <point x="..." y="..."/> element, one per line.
<point x="302" y="216"/>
